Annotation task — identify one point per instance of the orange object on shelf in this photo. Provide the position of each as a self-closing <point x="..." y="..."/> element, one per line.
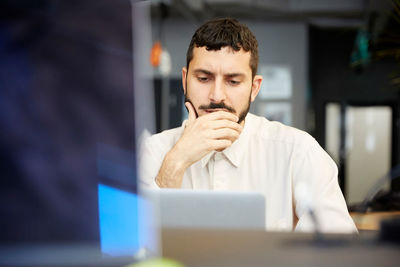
<point x="155" y="54"/>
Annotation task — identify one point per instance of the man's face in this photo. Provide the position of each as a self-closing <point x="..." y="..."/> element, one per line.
<point x="220" y="80"/>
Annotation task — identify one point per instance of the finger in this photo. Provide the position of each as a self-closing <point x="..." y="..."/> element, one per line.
<point x="218" y="124"/>
<point x="220" y="144"/>
<point x="224" y="133"/>
<point x="219" y="115"/>
<point x="192" y="112"/>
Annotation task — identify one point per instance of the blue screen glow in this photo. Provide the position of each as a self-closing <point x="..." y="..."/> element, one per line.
<point x="118" y="218"/>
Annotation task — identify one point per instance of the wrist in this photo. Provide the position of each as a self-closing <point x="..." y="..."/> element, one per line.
<point x="171" y="171"/>
<point x="179" y="158"/>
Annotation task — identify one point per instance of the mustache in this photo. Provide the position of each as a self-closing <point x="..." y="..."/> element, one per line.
<point x="218" y="106"/>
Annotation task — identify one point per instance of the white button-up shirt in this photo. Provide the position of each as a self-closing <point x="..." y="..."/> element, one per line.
<point x="285" y="164"/>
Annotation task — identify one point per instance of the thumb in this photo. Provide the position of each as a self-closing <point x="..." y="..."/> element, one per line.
<point x="192" y="112"/>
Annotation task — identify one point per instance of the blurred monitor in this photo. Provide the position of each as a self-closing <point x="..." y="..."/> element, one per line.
<point x="67" y="118"/>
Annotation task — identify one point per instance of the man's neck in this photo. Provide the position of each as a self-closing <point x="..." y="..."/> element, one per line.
<point x="242" y="123"/>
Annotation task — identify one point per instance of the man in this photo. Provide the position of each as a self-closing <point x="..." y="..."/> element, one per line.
<point x="223" y="147"/>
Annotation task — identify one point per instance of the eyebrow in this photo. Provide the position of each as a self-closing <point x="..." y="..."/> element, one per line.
<point x="202" y="71"/>
<point x="229" y="75"/>
<point x="233" y="75"/>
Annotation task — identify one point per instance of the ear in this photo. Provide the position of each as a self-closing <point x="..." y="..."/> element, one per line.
<point x="184" y="73"/>
<point x="256" y="86"/>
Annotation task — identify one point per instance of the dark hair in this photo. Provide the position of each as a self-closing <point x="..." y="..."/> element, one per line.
<point x="218" y="33"/>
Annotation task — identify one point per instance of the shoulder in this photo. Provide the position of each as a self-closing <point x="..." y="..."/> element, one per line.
<point x="157" y="145"/>
<point x="276" y="132"/>
<point x="165" y="137"/>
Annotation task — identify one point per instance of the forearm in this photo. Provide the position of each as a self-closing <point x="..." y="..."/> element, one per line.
<point x="171" y="171"/>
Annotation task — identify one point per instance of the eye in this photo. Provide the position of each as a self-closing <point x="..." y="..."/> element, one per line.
<point x="203" y="79"/>
<point x="234" y="82"/>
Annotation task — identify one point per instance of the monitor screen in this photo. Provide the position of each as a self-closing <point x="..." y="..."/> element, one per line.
<point x="67" y="119"/>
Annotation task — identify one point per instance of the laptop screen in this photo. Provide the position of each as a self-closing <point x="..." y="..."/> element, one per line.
<point x="67" y="119"/>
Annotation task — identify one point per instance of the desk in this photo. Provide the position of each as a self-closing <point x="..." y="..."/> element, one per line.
<point x="258" y="248"/>
<point x="372" y="220"/>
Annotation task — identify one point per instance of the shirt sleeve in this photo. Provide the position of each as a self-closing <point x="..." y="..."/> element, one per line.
<point x="316" y="189"/>
<point x="149" y="162"/>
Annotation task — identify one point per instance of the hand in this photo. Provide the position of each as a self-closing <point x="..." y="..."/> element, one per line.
<point x="213" y="131"/>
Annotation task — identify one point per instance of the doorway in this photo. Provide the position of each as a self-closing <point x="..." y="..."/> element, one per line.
<point x="359" y="137"/>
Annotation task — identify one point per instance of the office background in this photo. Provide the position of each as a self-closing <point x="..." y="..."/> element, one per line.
<point x="332" y="58"/>
<point x="336" y="63"/>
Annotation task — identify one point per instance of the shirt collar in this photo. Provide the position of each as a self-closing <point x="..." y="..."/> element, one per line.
<point x="206" y="159"/>
<point x="236" y="151"/>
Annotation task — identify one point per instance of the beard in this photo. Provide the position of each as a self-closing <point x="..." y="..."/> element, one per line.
<point x="244" y="112"/>
<point x="222" y="105"/>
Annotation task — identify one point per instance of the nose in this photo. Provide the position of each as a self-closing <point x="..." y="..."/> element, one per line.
<point x="217" y="92"/>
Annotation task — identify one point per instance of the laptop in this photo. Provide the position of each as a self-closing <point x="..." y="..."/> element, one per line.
<point x="179" y="208"/>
